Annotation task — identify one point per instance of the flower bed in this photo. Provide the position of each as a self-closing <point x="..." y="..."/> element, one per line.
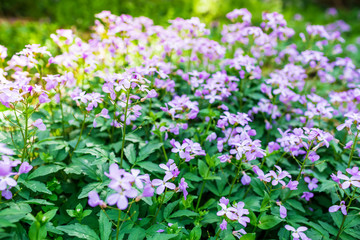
<point x="155" y="132"/>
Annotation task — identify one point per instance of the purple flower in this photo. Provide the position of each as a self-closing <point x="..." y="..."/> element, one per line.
<point x="307" y="195"/>
<point x="225" y="158"/>
<point x="239" y="233"/>
<point x="6" y="181"/>
<point x="25" y="167"/>
<point x="312" y="183"/>
<point x="283" y="211"/>
<point x="5" y="150"/>
<point x="148" y="191"/>
<point x="43" y="98"/>
<point x="260" y="173"/>
<point x="121" y="198"/>
<point x="5" y="168"/>
<point x="240" y="211"/>
<point x="223" y="225"/>
<point x="278" y="177"/>
<point x="152" y="94"/>
<point x="39" y="124"/>
<point x="161" y="184"/>
<point x="292" y="185"/>
<point x="7" y="194"/>
<point x="297" y="233"/>
<point x="94" y="199"/>
<point x="246" y="179"/>
<point x="183" y="186"/>
<point x="352" y="181"/>
<point x="342" y="206"/>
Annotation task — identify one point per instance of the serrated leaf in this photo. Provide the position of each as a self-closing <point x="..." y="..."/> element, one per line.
<point x="147" y="150"/>
<point x="80" y="231"/>
<point x="37" y="202"/>
<point x="130" y="153"/>
<point x="97" y="186"/>
<point x="248" y="236"/>
<point x="203" y="169"/>
<point x="169" y="208"/>
<point x="37" y="186"/>
<point x="104" y="226"/>
<point x="182" y="213"/>
<point x="44" y="170"/>
<point x="150" y="166"/>
<point x="137" y="234"/>
<point x="268" y="222"/>
<point x="15" y="212"/>
<point x="296" y="205"/>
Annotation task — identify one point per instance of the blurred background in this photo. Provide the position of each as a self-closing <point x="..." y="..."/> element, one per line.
<point x="32" y="21"/>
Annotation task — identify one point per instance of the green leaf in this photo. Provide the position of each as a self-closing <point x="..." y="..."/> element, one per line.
<point x="137" y="234"/>
<point x="318" y="228"/>
<point x="337" y="217"/>
<point x="328" y="228"/>
<point x="268" y="222"/>
<point x="130" y="153"/>
<point x="44" y="170"/>
<point x="192" y="177"/>
<point x="327" y="185"/>
<point x="296" y="205"/>
<point x="80" y="231"/>
<point x="195" y="233"/>
<point x="37" y="186"/>
<point x="163" y="236"/>
<point x="203" y="168"/>
<point x="182" y="213"/>
<point x="248" y="236"/>
<point x="37" y="202"/>
<point x="104" y="226"/>
<point x="169" y="208"/>
<point x="150" y="166"/>
<point x="15" y="212"/>
<point x="50" y="215"/>
<point x="97" y="186"/>
<point x="6" y="223"/>
<point x="264" y="205"/>
<point x="147" y="150"/>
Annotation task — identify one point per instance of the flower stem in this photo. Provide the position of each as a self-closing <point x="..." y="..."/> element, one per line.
<point x="201" y="193"/>
<point x="118" y="224"/>
<point x="161" y="203"/>
<point x="124" y="127"/>
<point x="81" y="131"/>
<point x="353" y="149"/>
<point x="235" y="178"/>
<point x="344" y="218"/>
<point x="25" y="132"/>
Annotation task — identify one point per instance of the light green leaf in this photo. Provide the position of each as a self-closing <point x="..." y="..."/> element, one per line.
<point x="268" y="222"/>
<point x="130" y="153"/>
<point x="44" y="170"/>
<point x="182" y="213"/>
<point x="147" y="150"/>
<point x="105" y="226"/>
<point x="37" y="186"/>
<point x="80" y="231"/>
